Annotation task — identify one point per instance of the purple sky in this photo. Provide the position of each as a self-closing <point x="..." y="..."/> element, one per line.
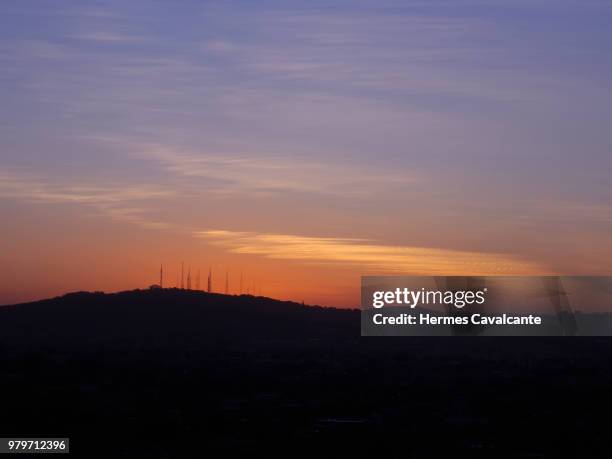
<point x="342" y="137"/>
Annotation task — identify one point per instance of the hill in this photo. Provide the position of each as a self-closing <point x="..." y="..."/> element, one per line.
<point x="166" y="373"/>
<point x="167" y="317"/>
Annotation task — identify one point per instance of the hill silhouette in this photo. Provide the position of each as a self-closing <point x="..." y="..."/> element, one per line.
<point x="176" y="373"/>
<point x="168" y="317"/>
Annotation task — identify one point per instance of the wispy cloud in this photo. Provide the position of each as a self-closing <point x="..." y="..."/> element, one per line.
<point x="370" y="255"/>
<point x="108" y="37"/>
<point x="380" y="53"/>
<point x="116" y="201"/>
<point x="244" y="172"/>
<point x="45" y="190"/>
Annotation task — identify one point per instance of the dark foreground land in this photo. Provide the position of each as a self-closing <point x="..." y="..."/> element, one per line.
<point x="171" y="373"/>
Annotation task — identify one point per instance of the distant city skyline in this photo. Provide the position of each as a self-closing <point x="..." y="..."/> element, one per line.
<point x="302" y="144"/>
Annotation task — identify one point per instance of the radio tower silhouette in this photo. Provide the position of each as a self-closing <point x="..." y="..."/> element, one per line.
<point x="209" y="280"/>
<point x="182" y="275"/>
<point x="198" y="281"/>
<point x="189" y="279"/>
<point x="161" y="276"/>
<point x="241" y="282"/>
<point x="226" y="283"/>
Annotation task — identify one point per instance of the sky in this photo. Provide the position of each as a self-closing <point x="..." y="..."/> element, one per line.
<point x="301" y="144"/>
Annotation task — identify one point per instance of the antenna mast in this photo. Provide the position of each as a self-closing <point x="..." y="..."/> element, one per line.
<point x="182" y="275"/>
<point x="226" y="283"/>
<point x="161" y="276"/>
<point x="209" y="280"/>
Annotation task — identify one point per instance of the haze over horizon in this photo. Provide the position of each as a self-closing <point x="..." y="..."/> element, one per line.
<point x="302" y="144"/>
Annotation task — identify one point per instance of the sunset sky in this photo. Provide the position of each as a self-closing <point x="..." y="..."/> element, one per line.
<point x="302" y="143"/>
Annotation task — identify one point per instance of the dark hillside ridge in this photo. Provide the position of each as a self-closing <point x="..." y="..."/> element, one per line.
<point x="166" y="373"/>
<point x="174" y="317"/>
